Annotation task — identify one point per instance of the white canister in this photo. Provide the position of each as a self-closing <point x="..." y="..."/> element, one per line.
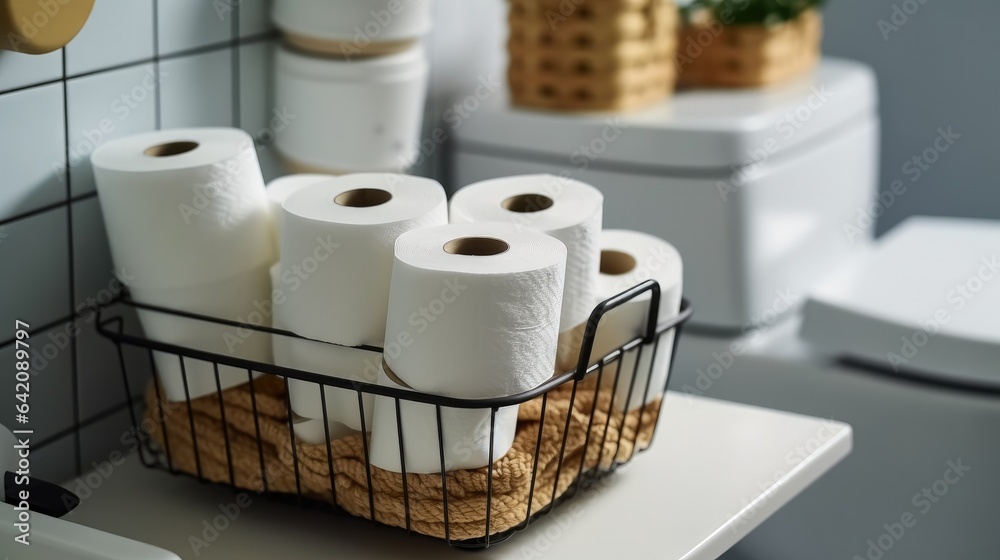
<point x="352" y="27"/>
<point x="350" y="116"/>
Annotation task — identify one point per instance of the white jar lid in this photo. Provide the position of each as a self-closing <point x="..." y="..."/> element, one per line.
<point x="358" y="21"/>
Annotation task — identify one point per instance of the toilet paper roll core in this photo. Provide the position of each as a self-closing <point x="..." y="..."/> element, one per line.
<point x="477" y="246"/>
<point x="170" y="148"/>
<point x="616" y="262"/>
<point x="527" y="203"/>
<point x="363" y="198"/>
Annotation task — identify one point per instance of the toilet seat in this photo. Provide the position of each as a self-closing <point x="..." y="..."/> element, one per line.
<point x="924" y="300"/>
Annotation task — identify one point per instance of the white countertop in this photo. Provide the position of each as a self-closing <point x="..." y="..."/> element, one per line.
<point x="715" y="471"/>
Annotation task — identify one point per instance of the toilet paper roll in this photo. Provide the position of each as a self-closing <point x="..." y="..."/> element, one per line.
<point x="569" y="210"/>
<point x="341" y="404"/>
<point x="352" y="27"/>
<point x="243" y="298"/>
<point x="629" y="258"/>
<point x="474" y="309"/>
<point x="465" y="434"/>
<point x="336" y="266"/>
<point x="320" y="357"/>
<point x="338" y="242"/>
<point x="187" y="221"/>
<point x="313" y="432"/>
<point x="29" y="26"/>
<point x="279" y="190"/>
<point x="184" y="207"/>
<point x="354" y="115"/>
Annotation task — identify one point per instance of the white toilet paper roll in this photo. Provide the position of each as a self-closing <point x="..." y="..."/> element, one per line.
<point x="312" y="431"/>
<point x="184" y="207"/>
<point x="279" y="190"/>
<point x="629" y="258"/>
<point x="336" y="266"/>
<point x="187" y="220"/>
<point x="353" y="115"/>
<point x="352" y="27"/>
<point x="241" y="298"/>
<point x="348" y="363"/>
<point x="474" y="309"/>
<point x="338" y="242"/>
<point x="465" y="434"/>
<point x="320" y="357"/>
<point x="569" y="210"/>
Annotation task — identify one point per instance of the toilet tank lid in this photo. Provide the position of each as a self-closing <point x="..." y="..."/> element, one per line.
<point x="925" y="299"/>
<point x="713" y="128"/>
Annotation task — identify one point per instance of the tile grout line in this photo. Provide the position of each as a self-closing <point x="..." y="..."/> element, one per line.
<point x="41" y="329"/>
<point x="235" y="61"/>
<point x="102" y="415"/>
<point x="46" y="208"/>
<point x="156" y="64"/>
<point x="180" y="54"/>
<point x="74" y="366"/>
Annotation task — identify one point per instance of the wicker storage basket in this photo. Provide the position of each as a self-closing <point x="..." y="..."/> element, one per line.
<point x="711" y="54"/>
<point x="588" y="55"/>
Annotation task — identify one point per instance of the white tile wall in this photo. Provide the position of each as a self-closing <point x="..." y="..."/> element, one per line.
<point x="103" y="107"/>
<point x="92" y="262"/>
<point x="33" y="148"/>
<point x="35" y="270"/>
<point x="189" y="24"/>
<point x="19" y="70"/>
<point x="117" y="32"/>
<point x="51" y="384"/>
<point x="197" y="90"/>
<point x="256" y="90"/>
<point x="116" y="82"/>
<point x="255" y="17"/>
<point x="102" y="438"/>
<point x="101" y="386"/>
<point x="270" y="165"/>
<point x="54" y="462"/>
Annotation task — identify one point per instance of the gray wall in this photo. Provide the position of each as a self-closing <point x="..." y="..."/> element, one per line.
<point x="939" y="69"/>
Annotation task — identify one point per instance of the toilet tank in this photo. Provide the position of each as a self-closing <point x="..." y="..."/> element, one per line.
<point x="763" y="191"/>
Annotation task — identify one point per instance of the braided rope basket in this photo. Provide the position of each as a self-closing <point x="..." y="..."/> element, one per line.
<point x="591" y="55"/>
<point x="711" y="54"/>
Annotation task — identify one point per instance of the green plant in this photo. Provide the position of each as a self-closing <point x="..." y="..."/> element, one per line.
<point x="749" y="12"/>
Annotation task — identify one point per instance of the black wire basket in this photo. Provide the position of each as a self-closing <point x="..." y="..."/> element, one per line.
<point x="158" y="454"/>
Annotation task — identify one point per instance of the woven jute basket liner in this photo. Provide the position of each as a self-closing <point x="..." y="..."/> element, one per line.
<point x="710" y="54"/>
<point x="591" y="55"/>
<point x="613" y="437"/>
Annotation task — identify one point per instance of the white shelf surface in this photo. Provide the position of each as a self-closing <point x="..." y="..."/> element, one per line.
<point x="715" y="471"/>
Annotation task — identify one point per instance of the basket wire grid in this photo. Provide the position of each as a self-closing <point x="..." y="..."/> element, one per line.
<point x="153" y="456"/>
